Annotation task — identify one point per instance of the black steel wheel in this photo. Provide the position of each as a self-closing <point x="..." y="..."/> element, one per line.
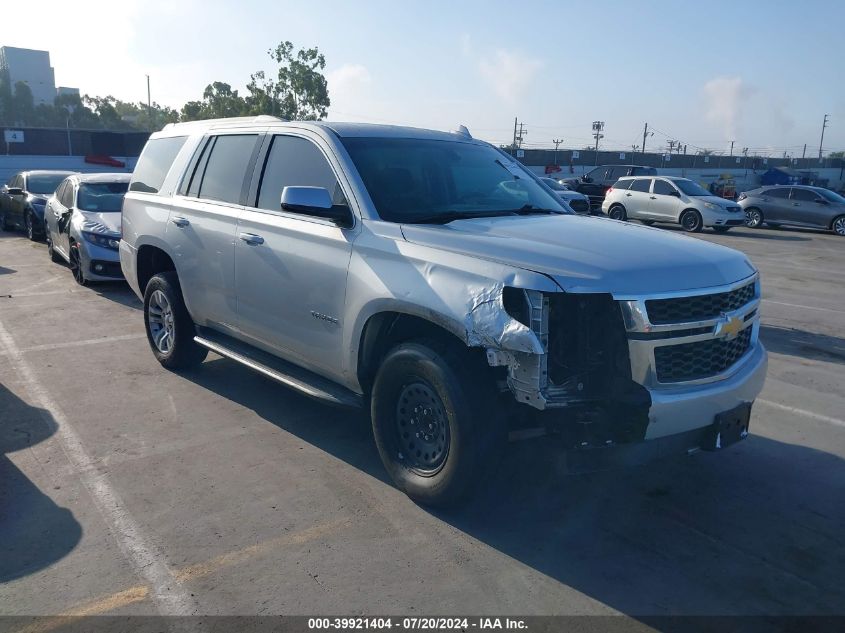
<point x="617" y="212"/>
<point x="691" y="221"/>
<point x="422" y="428"/>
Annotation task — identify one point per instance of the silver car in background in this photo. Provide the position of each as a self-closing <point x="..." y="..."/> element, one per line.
<point x="672" y="200"/>
<point x="578" y="202"/>
<point x="82" y="224"/>
<point x="810" y="207"/>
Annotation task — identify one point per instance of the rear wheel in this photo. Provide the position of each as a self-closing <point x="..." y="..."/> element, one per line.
<point x="434" y="426"/>
<point x="691" y="221"/>
<point x="617" y="212"/>
<point x="753" y="218"/>
<point x="838" y="225"/>
<point x="170" y="329"/>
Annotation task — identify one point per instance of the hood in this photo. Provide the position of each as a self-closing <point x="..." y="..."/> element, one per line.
<point x="722" y="202"/>
<point x="107" y="222"/>
<point x="585" y="254"/>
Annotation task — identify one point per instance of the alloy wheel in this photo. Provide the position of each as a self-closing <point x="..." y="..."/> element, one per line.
<point x="422" y="428"/>
<point x="753" y="218"/>
<point x="30" y="231"/>
<point x="76" y="266"/>
<point x="160" y="320"/>
<point x="839" y="225"/>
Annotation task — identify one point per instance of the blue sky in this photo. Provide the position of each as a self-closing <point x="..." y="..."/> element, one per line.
<point x="762" y="73"/>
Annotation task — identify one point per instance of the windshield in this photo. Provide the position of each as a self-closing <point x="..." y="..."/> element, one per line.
<point x="421" y="180"/>
<point x="831" y="196"/>
<point x="101" y="196"/>
<point x="44" y="183"/>
<point x="691" y="188"/>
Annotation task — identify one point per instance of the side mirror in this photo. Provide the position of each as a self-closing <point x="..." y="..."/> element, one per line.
<point x="586" y="179"/>
<point x="315" y="201"/>
<point x="14" y="191"/>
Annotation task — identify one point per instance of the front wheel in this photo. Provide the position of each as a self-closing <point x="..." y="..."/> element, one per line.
<point x="76" y="265"/>
<point x="838" y="225"/>
<point x="170" y="329"/>
<point x="31" y="233"/>
<point x="617" y="212"/>
<point x="691" y="221"/>
<point x="434" y="426"/>
<point x="753" y="218"/>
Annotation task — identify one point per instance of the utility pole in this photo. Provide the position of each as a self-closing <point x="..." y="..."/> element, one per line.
<point x="804" y="153"/>
<point x="745" y="160"/>
<point x="732" y="148"/>
<point x="645" y="134"/>
<point x="821" y="142"/>
<point x="557" y="143"/>
<point x="149" y="104"/>
<point x="513" y="145"/>
<point x="671" y="144"/>
<point x="522" y="133"/>
<point x="598" y="126"/>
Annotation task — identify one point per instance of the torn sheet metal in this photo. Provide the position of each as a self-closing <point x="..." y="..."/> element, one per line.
<point x="489" y="325"/>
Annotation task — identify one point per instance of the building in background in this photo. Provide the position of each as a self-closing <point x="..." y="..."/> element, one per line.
<point x="33" y="68"/>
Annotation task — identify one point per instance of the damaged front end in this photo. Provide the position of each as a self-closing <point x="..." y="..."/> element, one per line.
<point x="566" y="356"/>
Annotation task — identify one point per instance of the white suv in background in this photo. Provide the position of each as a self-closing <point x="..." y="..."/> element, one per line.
<point x="673" y="200"/>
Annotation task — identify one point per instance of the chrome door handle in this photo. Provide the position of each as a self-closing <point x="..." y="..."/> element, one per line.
<point x="653" y="197"/>
<point x="628" y="194"/>
<point x="180" y="221"/>
<point x="251" y="238"/>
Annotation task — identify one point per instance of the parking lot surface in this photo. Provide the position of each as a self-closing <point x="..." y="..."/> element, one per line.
<point x="129" y="489"/>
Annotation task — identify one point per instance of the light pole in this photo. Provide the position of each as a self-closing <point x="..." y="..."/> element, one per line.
<point x="598" y="126"/>
<point x="557" y="143"/>
<point x="69" y="109"/>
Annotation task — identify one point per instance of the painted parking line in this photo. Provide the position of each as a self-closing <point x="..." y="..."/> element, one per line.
<point x="795" y="305"/>
<point x="803" y="412"/>
<point x="168" y="595"/>
<point x="84" y="343"/>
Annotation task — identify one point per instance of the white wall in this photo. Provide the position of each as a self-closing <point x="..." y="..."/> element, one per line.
<point x="10" y="165"/>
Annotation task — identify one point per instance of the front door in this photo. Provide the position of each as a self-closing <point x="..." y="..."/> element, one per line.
<point x="776" y="204"/>
<point x="637" y="200"/>
<point x="665" y="202"/>
<point x="290" y="269"/>
<point x="808" y="208"/>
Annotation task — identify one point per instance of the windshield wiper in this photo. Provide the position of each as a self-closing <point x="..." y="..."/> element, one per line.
<point x="449" y="216"/>
<point x="530" y="209"/>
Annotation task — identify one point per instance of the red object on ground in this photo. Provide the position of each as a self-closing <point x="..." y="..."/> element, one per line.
<point x="99" y="159"/>
<point x="552" y="169"/>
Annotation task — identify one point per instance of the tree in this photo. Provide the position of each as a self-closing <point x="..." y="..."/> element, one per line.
<point x="299" y="92"/>
<point x="836" y="155"/>
<point x="23" y="106"/>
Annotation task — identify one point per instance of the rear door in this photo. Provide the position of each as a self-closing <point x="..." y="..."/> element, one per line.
<point x="638" y="199"/>
<point x="775" y="204"/>
<point x="62" y="211"/>
<point x="203" y="222"/>
<point x="16" y="203"/>
<point x="291" y="268"/>
<point x="665" y="202"/>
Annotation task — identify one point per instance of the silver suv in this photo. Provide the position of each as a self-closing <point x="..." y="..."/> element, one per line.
<point x="673" y="200"/>
<point x="428" y="277"/>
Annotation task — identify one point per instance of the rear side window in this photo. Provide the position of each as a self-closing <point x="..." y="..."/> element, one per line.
<point x="228" y="160"/>
<point x="777" y="193"/>
<point x="804" y="195"/>
<point x="154" y="163"/>
<point x="663" y="188"/>
<point x="641" y="184"/>
<point x="295" y="162"/>
<point x="598" y="174"/>
<point x="622" y="184"/>
<point x="67" y="194"/>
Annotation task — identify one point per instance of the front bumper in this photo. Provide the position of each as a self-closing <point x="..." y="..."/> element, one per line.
<point x="99" y="264"/>
<point x="689" y="408"/>
<point x="722" y="218"/>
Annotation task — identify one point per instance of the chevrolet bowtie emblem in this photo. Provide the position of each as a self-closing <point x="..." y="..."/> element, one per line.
<point x="729" y="327"/>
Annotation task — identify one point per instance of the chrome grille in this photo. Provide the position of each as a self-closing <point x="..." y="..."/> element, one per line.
<point x="701" y="359"/>
<point x="697" y="308"/>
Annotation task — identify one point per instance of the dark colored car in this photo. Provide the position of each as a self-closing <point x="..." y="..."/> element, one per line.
<point x="796" y="205"/>
<point x="23" y="198"/>
<point x="595" y="183"/>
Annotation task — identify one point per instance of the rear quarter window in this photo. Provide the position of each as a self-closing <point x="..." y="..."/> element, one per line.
<point x="154" y="163"/>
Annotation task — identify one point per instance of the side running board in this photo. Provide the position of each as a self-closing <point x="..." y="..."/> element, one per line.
<point x="279" y="370"/>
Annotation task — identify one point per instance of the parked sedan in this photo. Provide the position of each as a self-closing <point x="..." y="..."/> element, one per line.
<point x="23" y="198"/>
<point x="812" y="207"/>
<point x="83" y="225"/>
<point x="578" y="202"/>
<point x="673" y="200"/>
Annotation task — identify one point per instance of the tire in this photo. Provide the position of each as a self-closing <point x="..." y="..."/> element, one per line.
<point x="721" y="229"/>
<point x="753" y="218"/>
<point x="76" y="266"/>
<point x="29" y="226"/>
<point x="54" y="256"/>
<point x="838" y="225"/>
<point x="447" y="392"/>
<point x="691" y="221"/>
<point x="170" y="329"/>
<point x="617" y="212"/>
<point x="4" y="222"/>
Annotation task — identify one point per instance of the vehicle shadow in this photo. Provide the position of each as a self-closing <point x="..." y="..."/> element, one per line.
<point x="755" y="529"/>
<point x="117" y="291"/>
<point x="34" y="531"/>
<point x="802" y="344"/>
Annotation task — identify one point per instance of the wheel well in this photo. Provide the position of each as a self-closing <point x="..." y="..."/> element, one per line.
<point x="690" y="209"/>
<point x="151" y="261"/>
<point x="384" y="331"/>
